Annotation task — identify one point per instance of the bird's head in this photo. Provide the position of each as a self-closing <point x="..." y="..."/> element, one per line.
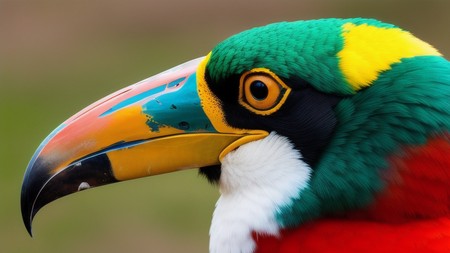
<point x="308" y="112"/>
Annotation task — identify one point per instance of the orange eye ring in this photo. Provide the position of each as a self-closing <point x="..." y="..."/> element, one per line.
<point x="262" y="92"/>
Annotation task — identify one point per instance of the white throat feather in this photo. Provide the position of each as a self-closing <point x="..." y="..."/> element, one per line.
<point x="257" y="179"/>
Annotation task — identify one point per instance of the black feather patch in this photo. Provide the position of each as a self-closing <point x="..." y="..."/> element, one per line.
<point x="307" y="117"/>
<point x="211" y="173"/>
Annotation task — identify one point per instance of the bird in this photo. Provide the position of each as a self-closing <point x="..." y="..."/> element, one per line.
<point x="323" y="135"/>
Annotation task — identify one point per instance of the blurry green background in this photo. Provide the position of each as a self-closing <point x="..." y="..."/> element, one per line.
<point x="56" y="57"/>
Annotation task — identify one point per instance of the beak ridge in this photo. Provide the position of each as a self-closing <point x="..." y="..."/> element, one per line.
<point x="155" y="126"/>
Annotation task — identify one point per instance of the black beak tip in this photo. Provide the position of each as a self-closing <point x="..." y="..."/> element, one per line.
<point x="27" y="220"/>
<point x="27" y="217"/>
<point x="41" y="186"/>
<point x="27" y="223"/>
<point x="26" y="206"/>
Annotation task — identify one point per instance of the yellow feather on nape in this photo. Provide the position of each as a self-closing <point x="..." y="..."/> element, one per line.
<point x="369" y="50"/>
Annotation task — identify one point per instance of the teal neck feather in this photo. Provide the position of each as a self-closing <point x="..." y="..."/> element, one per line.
<point x="405" y="106"/>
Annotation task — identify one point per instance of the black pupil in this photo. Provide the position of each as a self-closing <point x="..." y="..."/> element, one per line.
<point x="259" y="90"/>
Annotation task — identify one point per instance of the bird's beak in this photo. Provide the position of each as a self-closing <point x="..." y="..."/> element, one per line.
<point x="152" y="127"/>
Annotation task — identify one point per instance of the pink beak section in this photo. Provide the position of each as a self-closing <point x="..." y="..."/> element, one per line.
<point x="155" y="126"/>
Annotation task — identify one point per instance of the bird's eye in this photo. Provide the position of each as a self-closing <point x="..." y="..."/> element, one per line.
<point x="259" y="90"/>
<point x="262" y="92"/>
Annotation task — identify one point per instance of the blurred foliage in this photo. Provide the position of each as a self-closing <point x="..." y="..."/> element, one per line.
<point x="56" y="57"/>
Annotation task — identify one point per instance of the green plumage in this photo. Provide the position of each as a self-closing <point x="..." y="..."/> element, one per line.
<point x="305" y="49"/>
<point x="405" y="106"/>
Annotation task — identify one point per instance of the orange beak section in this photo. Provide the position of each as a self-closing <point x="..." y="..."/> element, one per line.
<point x="152" y="127"/>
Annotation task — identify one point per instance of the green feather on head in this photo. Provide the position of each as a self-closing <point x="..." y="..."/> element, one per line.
<point x="395" y="89"/>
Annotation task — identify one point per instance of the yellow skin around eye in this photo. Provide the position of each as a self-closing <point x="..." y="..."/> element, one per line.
<point x="212" y="107"/>
<point x="275" y="98"/>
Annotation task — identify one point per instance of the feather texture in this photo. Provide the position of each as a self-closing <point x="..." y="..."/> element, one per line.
<point x="256" y="180"/>
<point x="338" y="236"/>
